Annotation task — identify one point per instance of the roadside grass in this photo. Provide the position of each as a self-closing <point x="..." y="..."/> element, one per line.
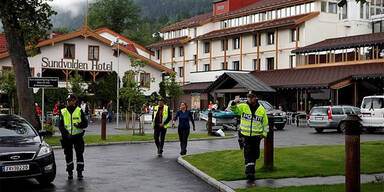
<point x="302" y="161"/>
<point x="92" y="139"/>
<point x="366" y="187"/>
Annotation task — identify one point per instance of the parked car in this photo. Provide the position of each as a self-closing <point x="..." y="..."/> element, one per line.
<point x="329" y="117"/>
<point x="23" y="152"/>
<point x="279" y="117"/>
<point x="372" y="113"/>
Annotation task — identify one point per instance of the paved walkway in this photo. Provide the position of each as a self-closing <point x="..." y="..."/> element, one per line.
<point x="276" y="183"/>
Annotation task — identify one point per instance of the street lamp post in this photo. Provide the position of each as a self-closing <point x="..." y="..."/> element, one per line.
<point x="118" y="82"/>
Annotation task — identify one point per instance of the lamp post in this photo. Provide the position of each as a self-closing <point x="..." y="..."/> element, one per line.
<point x="117" y="80"/>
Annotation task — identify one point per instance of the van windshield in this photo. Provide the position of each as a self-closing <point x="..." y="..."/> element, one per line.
<point x="373" y="103"/>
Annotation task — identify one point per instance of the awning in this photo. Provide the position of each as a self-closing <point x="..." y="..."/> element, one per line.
<point x="320" y="77"/>
<point x="196" y="87"/>
<point x="239" y="82"/>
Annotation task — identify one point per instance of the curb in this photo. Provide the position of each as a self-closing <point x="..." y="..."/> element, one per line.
<point x="208" y="179"/>
<point x="143" y="142"/>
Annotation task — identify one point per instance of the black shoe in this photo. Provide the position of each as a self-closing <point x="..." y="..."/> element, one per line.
<point x="183" y="153"/>
<point x="80" y="175"/>
<point x="250" y="178"/>
<point x="70" y="175"/>
<point x="160" y="153"/>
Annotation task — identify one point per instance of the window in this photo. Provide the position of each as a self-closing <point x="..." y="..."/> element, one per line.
<point x="145" y="80"/>
<point x="293" y="35"/>
<point x="344" y="12"/>
<point x="158" y="54"/>
<point x="332" y="7"/>
<point x="206" y="47"/>
<point x="256" y="64"/>
<point x="236" y="43"/>
<point x="181" y="71"/>
<point x="270" y="63"/>
<point x="236" y="65"/>
<point x="256" y="40"/>
<point x="271" y="38"/>
<point x="337" y="111"/>
<point x="224" y="44"/>
<point x="206" y="67"/>
<point x="292" y="61"/>
<point x="181" y="51"/>
<point x="69" y="51"/>
<point x="93" y="52"/>
<point x="361" y="10"/>
<point x="173" y="52"/>
<point x="224" y="67"/>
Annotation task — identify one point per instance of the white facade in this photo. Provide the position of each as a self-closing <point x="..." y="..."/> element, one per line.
<point x="52" y="58"/>
<point x="331" y="22"/>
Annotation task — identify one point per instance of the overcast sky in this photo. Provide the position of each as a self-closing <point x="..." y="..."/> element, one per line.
<point x="74" y="6"/>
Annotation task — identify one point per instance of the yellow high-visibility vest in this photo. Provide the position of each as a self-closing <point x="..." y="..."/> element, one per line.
<point x="252" y="125"/>
<point x="70" y="120"/>
<point x="165" y="116"/>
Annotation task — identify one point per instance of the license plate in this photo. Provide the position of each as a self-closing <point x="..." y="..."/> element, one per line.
<point x="15" y="168"/>
<point x="318" y="118"/>
<point x="366" y="115"/>
<point x="277" y="120"/>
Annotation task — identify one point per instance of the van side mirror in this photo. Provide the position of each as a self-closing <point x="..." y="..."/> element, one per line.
<point x="44" y="133"/>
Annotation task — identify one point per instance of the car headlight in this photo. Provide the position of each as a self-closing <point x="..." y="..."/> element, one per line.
<point x="44" y="150"/>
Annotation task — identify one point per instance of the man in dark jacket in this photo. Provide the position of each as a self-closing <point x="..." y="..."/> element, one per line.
<point x="161" y="118"/>
<point x="72" y="124"/>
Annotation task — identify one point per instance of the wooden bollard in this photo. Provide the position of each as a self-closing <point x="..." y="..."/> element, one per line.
<point x="209" y="123"/>
<point x="352" y="153"/>
<point x="269" y="146"/>
<point x="103" y="126"/>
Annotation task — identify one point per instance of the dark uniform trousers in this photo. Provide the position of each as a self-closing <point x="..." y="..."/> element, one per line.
<point x="76" y="142"/>
<point x="251" y="153"/>
<point x="159" y="136"/>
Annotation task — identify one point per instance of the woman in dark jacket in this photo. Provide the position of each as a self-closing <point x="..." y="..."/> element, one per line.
<point x="184" y="116"/>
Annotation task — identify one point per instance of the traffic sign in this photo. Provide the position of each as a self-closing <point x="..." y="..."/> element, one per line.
<point x="43" y="82"/>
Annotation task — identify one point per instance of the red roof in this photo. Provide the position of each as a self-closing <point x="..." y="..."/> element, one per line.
<point x="3" y="44"/>
<point x="344" y="43"/>
<point x="131" y="47"/>
<point x="317" y="77"/>
<point x="260" y="6"/>
<point x="191" y="22"/>
<point x="250" y="28"/>
<point x="174" y="41"/>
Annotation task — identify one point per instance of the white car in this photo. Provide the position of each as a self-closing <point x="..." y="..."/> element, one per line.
<point x="372" y="113"/>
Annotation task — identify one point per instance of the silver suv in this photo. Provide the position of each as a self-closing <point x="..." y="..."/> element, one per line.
<point x="329" y="117"/>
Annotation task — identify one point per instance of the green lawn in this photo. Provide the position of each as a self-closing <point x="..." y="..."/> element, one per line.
<point x="368" y="187"/>
<point x="90" y="139"/>
<point x="306" y="161"/>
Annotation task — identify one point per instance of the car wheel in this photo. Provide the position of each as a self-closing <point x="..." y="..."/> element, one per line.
<point x="280" y="126"/>
<point x="371" y="129"/>
<point x="319" y="130"/>
<point x="340" y="129"/>
<point x="48" y="178"/>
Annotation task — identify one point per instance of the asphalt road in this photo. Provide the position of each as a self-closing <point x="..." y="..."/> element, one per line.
<point x="137" y="168"/>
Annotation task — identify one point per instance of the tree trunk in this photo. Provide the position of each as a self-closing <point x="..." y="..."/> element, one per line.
<point x="133" y="122"/>
<point x="128" y="117"/>
<point x="16" y="49"/>
<point x="13" y="105"/>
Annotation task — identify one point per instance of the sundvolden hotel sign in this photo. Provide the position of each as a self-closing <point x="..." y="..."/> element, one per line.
<point x="76" y="65"/>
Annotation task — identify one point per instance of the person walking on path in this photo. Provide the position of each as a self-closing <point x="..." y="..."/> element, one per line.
<point x="183" y="129"/>
<point x="72" y="124"/>
<point x="160" y="122"/>
<point x="109" y="110"/>
<point x="253" y="128"/>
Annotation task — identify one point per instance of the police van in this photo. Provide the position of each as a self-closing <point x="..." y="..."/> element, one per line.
<point x="372" y="113"/>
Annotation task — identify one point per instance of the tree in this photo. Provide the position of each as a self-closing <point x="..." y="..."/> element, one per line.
<point x="7" y="85"/>
<point x="77" y="83"/>
<point x="24" y="23"/>
<point x="132" y="92"/>
<point x="51" y="96"/>
<point x="173" y="89"/>
<point x="104" y="91"/>
<point x="117" y="15"/>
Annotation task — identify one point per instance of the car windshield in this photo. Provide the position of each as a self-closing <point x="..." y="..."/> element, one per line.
<point x="266" y="105"/>
<point x="15" y="127"/>
<point x="319" y="111"/>
<point x="373" y="103"/>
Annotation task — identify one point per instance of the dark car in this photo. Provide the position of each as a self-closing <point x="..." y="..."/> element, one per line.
<point x="23" y="153"/>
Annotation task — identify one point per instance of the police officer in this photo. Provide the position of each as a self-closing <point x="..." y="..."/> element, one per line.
<point x="72" y="124"/>
<point x="160" y="122"/>
<point x="253" y="128"/>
